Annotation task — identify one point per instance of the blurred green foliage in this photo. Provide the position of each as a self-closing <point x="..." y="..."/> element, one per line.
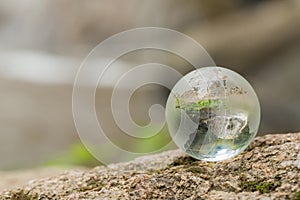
<point x="154" y="143"/>
<point x="77" y="154"/>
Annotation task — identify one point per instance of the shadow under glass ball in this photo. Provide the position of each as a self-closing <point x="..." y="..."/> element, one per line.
<point x="213" y="113"/>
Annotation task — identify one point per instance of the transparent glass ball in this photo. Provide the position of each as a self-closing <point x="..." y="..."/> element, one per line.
<point x="213" y="113"/>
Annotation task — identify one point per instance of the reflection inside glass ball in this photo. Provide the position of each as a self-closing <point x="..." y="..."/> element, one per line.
<point x="213" y="113"/>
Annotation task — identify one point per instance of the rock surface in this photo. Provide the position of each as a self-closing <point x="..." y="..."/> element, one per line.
<point x="16" y="178"/>
<point x="268" y="169"/>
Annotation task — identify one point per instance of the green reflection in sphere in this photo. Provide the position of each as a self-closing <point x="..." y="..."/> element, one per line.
<point x="213" y="113"/>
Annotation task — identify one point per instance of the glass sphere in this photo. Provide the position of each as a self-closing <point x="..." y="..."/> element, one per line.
<point x="213" y="113"/>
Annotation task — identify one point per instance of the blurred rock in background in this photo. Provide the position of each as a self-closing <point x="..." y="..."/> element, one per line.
<point x="42" y="44"/>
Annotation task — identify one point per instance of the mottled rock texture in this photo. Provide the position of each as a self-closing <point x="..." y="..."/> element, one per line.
<point x="268" y="169"/>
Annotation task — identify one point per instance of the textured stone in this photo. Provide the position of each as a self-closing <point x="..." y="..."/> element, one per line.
<point x="268" y="169"/>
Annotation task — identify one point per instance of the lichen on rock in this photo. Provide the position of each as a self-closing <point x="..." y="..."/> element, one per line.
<point x="269" y="169"/>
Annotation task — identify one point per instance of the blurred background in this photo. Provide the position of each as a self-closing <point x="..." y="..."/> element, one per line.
<point x="42" y="44"/>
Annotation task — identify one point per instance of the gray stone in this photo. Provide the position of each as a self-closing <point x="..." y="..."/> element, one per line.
<point x="268" y="169"/>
